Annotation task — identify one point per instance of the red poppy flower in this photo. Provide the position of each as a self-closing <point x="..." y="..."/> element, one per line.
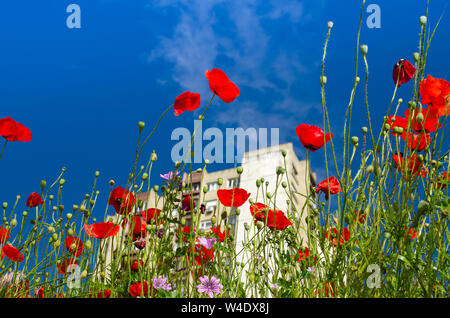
<point x="34" y="199"/>
<point x="102" y="230"/>
<point x="136" y="289"/>
<point x="331" y="236"/>
<point x="122" y="200"/>
<point x="220" y="84"/>
<point x="219" y="234"/>
<point x="275" y="220"/>
<point x="40" y="292"/>
<point x="136" y="265"/>
<point x="202" y="254"/>
<point x="435" y="93"/>
<point x="442" y="182"/>
<point x="74" y="245"/>
<point x="330" y="185"/>
<point x="4" y="235"/>
<point x="12" y="253"/>
<point x="416" y="142"/>
<point x="403" y="72"/>
<point x="187" y="204"/>
<point x="186" y="101"/>
<point x="104" y="294"/>
<point x="412" y="233"/>
<point x="151" y="216"/>
<point x="428" y="125"/>
<point x="186" y="233"/>
<point x="303" y="254"/>
<point x="64" y="267"/>
<point x="137" y="224"/>
<point x="312" y="137"/>
<point x="234" y="198"/>
<point x="360" y="217"/>
<point x="413" y="166"/>
<point x="14" y="131"/>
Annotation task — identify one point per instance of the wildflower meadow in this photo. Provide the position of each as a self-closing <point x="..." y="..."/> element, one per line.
<point x="376" y="226"/>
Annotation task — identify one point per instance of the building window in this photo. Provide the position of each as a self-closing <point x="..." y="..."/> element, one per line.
<point x="213" y="186"/>
<point x="196" y="187"/>
<point x="210" y="206"/>
<point x="233" y="219"/>
<point x="205" y="224"/>
<point x="230" y="183"/>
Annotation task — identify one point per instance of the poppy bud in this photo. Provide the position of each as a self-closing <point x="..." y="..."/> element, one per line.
<point x="268" y="195"/>
<point x="88" y="245"/>
<point x="398" y="130"/>
<point x="141" y="125"/>
<point x="369" y="169"/>
<point x="238" y="211"/>
<point x="251" y="278"/>
<point x="416" y="56"/>
<point x="213" y="220"/>
<point x="13" y="222"/>
<point x="61" y="182"/>
<point x="423" y="20"/>
<point x="411" y="105"/>
<point x="57" y="244"/>
<point x="61" y="207"/>
<point x="364" y="48"/>
<point x="246" y="226"/>
<point x="355" y="141"/>
<point x="156" y="188"/>
<point x="258" y="183"/>
<point x="24" y="214"/>
<point x="224" y="214"/>
<point x="177" y="164"/>
<point x="199" y="170"/>
<point x="357" y="79"/>
<point x="330" y="24"/>
<point x="201" y="117"/>
<point x="153" y="157"/>
<point x="364" y="130"/>
<point x="144" y="176"/>
<point x="239" y="170"/>
<point x="280" y="170"/>
<point x="111" y="182"/>
<point x="83" y="274"/>
<point x="70" y="232"/>
<point x="283" y="152"/>
<point x="43" y="184"/>
<point x="51" y="229"/>
<point x="259" y="224"/>
<point x="220" y="181"/>
<point x="419" y="118"/>
<point x="387" y="127"/>
<point x="183" y="221"/>
<point x="55" y="237"/>
<point x="206" y="162"/>
<point x="284" y="184"/>
<point x="5" y="205"/>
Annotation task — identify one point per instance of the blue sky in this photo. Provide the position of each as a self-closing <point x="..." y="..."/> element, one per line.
<point x="83" y="91"/>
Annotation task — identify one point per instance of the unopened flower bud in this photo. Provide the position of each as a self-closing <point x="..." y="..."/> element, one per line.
<point x="364" y="48"/>
<point x="280" y="170"/>
<point x="398" y="130"/>
<point x="70" y="232"/>
<point x="423" y="20"/>
<point x="330" y="24"/>
<point x="88" y="245"/>
<point x="387" y="127"/>
<point x="97" y="173"/>
<point x="43" y="184"/>
<point x="83" y="274"/>
<point x="206" y="162"/>
<point x="141" y="125"/>
<point x="364" y="130"/>
<point x="416" y="56"/>
<point x="323" y="80"/>
<point x="239" y="170"/>
<point x="213" y="220"/>
<point x="201" y="117"/>
<point x="205" y="189"/>
<point x="57" y="244"/>
<point x="224" y="214"/>
<point x="220" y="181"/>
<point x="258" y="183"/>
<point x="111" y="182"/>
<point x="177" y="164"/>
<point x="355" y="141"/>
<point x="284" y="184"/>
<point x="419" y="118"/>
<point x="369" y="169"/>
<point x="153" y="157"/>
<point x="156" y="188"/>
<point x="246" y="226"/>
<point x="144" y="176"/>
<point x="5" y="205"/>
<point x="259" y="224"/>
<point x="411" y="105"/>
<point x="61" y="182"/>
